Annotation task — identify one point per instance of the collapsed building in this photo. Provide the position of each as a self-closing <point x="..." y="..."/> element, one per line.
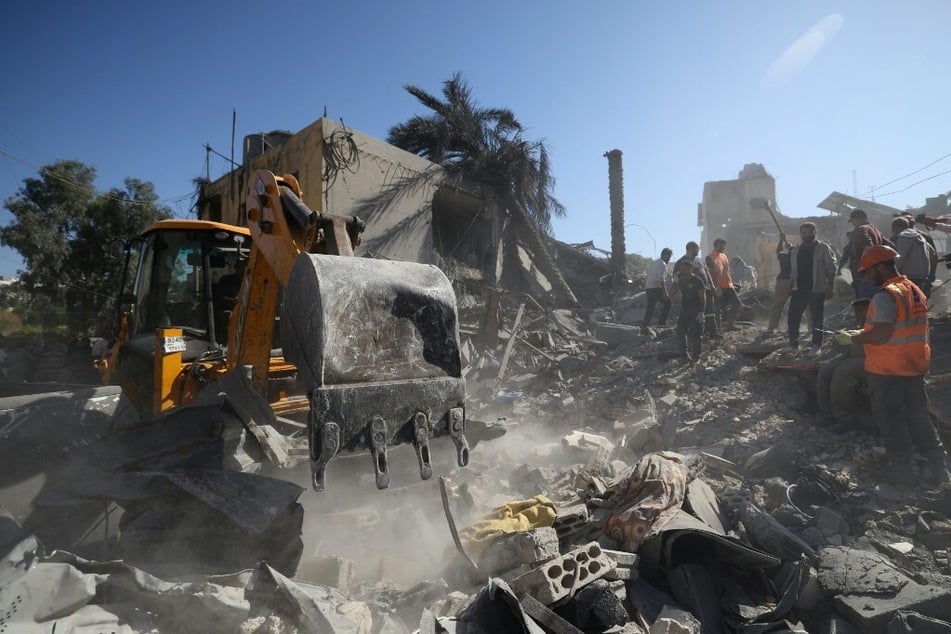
<point x="612" y="488"/>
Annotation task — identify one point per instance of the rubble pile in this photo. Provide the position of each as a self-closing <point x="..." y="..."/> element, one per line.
<point x="611" y="488"/>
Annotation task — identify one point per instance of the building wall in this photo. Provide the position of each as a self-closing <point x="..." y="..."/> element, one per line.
<point x="733" y="210"/>
<point x="390" y="189"/>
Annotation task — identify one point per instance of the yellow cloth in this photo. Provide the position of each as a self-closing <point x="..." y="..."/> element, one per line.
<point x="511" y="517"/>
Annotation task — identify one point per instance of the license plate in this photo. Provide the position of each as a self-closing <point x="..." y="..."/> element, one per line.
<point x="173" y="344"/>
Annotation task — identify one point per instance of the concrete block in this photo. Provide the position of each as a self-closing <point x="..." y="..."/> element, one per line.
<point x="562" y="577"/>
<point x="617" y="334"/>
<point x="335" y="572"/>
<point x="873" y="613"/>
<point x="571" y="520"/>
<point x="590" y="446"/>
<point x="515" y="549"/>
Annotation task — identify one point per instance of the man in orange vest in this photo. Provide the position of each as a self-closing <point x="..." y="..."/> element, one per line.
<point x="897" y="358"/>
<point x="728" y="302"/>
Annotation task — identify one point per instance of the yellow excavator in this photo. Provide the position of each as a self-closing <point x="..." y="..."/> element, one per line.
<point x="362" y="354"/>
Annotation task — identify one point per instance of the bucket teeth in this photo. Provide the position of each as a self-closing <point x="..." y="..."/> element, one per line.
<point x="421" y="435"/>
<point x="457" y="430"/>
<point x="324" y="443"/>
<point x="378" y="451"/>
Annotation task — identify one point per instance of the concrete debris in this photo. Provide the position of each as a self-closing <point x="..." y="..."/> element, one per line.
<point x="614" y="488"/>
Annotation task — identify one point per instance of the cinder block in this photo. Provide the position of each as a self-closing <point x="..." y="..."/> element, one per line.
<point x="335" y="572"/>
<point x="562" y="577"/>
<point x="514" y="549"/>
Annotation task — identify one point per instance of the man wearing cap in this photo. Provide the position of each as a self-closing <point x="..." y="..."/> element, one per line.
<point x="897" y="358"/>
<point x="864" y="235"/>
<point x="917" y="256"/>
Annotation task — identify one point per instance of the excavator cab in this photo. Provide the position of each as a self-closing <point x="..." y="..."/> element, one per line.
<point x="189" y="277"/>
<point x="182" y="275"/>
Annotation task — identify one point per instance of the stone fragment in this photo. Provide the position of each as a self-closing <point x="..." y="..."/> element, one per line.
<point x="675" y="621"/>
<point x="514" y="549"/>
<point x="588" y="446"/>
<point x="902" y="547"/>
<point x="595" y="608"/>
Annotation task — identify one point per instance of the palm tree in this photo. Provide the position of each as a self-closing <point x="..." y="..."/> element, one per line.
<point x="488" y="145"/>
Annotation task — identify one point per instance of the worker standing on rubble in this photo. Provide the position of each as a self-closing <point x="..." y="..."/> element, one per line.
<point x="897" y="358"/>
<point x="918" y="258"/>
<point x="657" y="285"/>
<point x="727" y="301"/>
<point x="864" y="235"/>
<point x="812" y="271"/>
<point x="700" y="270"/>
<point x="783" y="286"/>
<point x="690" y="321"/>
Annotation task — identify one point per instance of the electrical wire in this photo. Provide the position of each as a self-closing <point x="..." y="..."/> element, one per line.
<point x="340" y="153"/>
<point x="900" y="178"/>
<point x="79" y="187"/>
<point x="923" y="180"/>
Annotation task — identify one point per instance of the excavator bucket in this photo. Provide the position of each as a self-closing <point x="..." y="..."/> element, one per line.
<point x="377" y="342"/>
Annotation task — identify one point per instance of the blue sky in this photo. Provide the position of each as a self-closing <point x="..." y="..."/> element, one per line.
<point x="689" y="91"/>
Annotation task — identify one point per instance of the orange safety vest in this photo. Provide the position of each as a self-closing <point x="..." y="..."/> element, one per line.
<point x="720" y="271"/>
<point x="907" y="353"/>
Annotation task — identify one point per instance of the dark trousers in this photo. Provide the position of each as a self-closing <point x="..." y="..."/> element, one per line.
<point x="728" y="305"/>
<point x="689" y="330"/>
<point x="711" y="324"/>
<point x="798" y="303"/>
<point x="900" y="408"/>
<point x="655" y="295"/>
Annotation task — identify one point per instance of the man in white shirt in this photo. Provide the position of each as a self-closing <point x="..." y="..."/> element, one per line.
<point x="658" y="288"/>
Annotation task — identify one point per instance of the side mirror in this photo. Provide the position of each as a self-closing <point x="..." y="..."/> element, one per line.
<point x="118" y="248"/>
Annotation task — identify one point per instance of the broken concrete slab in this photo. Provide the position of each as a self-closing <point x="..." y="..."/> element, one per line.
<point x="844" y="570"/>
<point x="873" y="613"/>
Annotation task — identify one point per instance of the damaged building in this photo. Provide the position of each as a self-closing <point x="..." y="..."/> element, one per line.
<point x="736" y="210"/>
<point x="413" y="210"/>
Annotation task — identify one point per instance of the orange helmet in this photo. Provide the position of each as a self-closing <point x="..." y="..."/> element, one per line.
<point x="877" y="254"/>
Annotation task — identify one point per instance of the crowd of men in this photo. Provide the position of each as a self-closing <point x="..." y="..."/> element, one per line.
<point x="888" y="353"/>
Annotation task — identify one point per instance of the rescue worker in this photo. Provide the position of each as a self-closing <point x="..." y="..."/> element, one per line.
<point x="812" y="270"/>
<point x="658" y="281"/>
<point x="897" y="358"/>
<point x="710" y="325"/>
<point x="727" y="301"/>
<point x="933" y="269"/>
<point x="842" y="389"/>
<point x="690" y="321"/>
